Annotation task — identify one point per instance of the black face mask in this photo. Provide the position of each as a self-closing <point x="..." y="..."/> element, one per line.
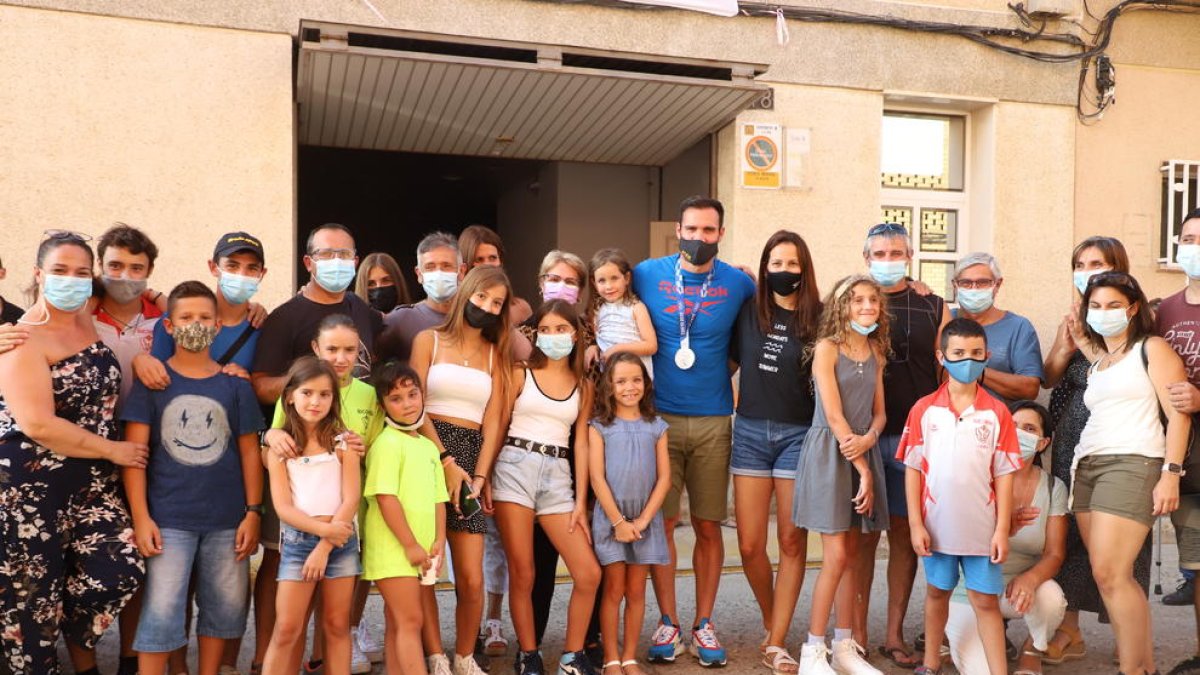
<point x="784" y="283"/>
<point x="383" y="298"/>
<point x="480" y="318"/>
<point x="696" y="252"/>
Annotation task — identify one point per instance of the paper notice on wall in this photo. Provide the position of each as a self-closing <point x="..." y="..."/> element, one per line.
<point x="762" y="161"/>
<point x="718" y="7"/>
<point x="796" y="152"/>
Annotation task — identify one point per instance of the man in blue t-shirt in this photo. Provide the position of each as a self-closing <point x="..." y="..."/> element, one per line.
<point x="1014" y="369"/>
<point x="694" y="300"/>
<point x="197" y="505"/>
<point x="239" y="265"/>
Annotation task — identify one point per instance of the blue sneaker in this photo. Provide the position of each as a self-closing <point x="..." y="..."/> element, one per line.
<point x="666" y="643"/>
<point x="575" y="663"/>
<point x="705" y="645"/>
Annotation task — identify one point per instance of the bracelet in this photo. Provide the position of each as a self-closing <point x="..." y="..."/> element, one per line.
<point x="623" y="519"/>
<point x="444" y="455"/>
<point x="478" y="475"/>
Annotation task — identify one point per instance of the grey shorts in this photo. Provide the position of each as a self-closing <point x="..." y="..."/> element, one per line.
<point x="1119" y="485"/>
<point x="534" y="481"/>
<point x="1186" y="520"/>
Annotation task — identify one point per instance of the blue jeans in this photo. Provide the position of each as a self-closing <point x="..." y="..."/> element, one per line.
<point x="295" y="546"/>
<point x="221" y="590"/>
<point x="766" y="449"/>
<point x="893" y="476"/>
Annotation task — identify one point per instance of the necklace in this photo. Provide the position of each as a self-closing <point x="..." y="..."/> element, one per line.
<point x="126" y="326"/>
<point x="859" y="361"/>
<point x="467" y="357"/>
<point x="1107" y="360"/>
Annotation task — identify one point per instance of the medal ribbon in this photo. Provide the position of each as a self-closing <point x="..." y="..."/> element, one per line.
<point x="685" y="324"/>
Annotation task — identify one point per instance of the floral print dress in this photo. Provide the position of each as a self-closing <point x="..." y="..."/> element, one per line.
<point x="68" y="561"/>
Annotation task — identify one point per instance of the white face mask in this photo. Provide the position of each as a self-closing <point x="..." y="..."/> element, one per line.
<point x="439" y="286"/>
<point x="1029" y="445"/>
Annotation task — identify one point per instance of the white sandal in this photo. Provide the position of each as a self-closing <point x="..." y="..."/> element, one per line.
<point x="631" y="662"/>
<point x="611" y="664"/>
<point x="780" y="661"/>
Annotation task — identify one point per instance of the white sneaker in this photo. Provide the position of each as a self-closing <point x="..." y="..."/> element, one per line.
<point x="847" y="659"/>
<point x="438" y="664"/>
<point x="494" y="643"/>
<point x="813" y="660"/>
<point x="359" y="663"/>
<point x="466" y="665"/>
<point x="368" y="645"/>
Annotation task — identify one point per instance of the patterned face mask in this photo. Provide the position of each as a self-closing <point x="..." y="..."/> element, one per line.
<point x="195" y="337"/>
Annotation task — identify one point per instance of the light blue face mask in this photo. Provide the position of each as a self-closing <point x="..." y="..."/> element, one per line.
<point x="1028" y="442"/>
<point x="556" y="347"/>
<point x="1082" y="277"/>
<point x="67" y="294"/>
<point x="1188" y="257"/>
<point x="965" y="371"/>
<point x="888" y="272"/>
<point x="1108" y="322"/>
<point x="864" y="330"/>
<point x="975" y="300"/>
<point x="236" y="288"/>
<point x="334" y="275"/>
<point x="439" y="286"/>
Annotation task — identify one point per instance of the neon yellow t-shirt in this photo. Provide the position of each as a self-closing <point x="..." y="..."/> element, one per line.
<point x="408" y="468"/>
<point x="361" y="412"/>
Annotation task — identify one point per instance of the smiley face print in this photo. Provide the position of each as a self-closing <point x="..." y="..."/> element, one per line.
<point x="195" y="430"/>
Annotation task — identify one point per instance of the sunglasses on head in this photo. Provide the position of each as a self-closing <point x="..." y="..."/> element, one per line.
<point x="1119" y="279"/>
<point x="887" y="228"/>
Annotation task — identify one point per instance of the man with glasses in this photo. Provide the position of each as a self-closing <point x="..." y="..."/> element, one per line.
<point x="917" y="319"/>
<point x="1014" y="369"/>
<point x="1178" y="322"/>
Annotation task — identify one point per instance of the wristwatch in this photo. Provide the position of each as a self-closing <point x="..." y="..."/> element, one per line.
<point x="254" y="508"/>
<point x="1171" y="467"/>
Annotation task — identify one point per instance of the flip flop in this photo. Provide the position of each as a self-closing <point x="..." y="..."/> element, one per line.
<point x="890" y="653"/>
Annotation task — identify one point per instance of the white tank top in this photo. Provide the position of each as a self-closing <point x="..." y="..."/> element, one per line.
<point x="453" y="390"/>
<point x="1124" y="411"/>
<point x="539" y="418"/>
<point x="316" y="483"/>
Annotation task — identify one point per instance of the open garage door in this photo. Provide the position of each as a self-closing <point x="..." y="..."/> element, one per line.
<point x="395" y="90"/>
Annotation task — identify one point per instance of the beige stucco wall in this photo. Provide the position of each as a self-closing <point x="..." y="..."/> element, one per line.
<point x="1118" y="190"/>
<point x="183" y="131"/>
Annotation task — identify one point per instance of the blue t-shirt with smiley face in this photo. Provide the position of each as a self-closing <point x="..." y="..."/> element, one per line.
<point x="194" y="477"/>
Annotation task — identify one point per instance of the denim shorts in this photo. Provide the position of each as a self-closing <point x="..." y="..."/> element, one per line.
<point x="893" y="476"/>
<point x="533" y="480"/>
<point x="980" y="574"/>
<point x="296" y="545"/>
<point x="221" y="590"/>
<point x="766" y="449"/>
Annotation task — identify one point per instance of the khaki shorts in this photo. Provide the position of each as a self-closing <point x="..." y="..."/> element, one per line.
<point x="699" y="450"/>
<point x="1120" y="485"/>
<point x="1186" y="520"/>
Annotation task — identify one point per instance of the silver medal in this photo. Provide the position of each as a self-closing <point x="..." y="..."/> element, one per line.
<point x="685" y="358"/>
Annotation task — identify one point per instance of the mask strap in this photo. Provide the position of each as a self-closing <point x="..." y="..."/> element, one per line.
<point x="405" y="427"/>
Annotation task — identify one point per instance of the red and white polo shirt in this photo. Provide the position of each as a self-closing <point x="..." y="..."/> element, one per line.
<point x="959" y="455"/>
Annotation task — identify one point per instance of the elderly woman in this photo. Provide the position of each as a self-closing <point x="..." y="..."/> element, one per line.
<point x="70" y="562"/>
<point x="1014" y="369"/>
<point x="1035" y="554"/>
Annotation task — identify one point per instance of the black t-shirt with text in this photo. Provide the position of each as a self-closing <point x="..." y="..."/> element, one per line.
<point x="775" y="380"/>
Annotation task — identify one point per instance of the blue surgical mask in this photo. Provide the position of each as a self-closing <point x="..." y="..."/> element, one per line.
<point x="864" y="330"/>
<point x="1188" y="257"/>
<point x="1108" y="322"/>
<point x="556" y="347"/>
<point x="66" y="293"/>
<point x="236" y="288"/>
<point x="1028" y="442"/>
<point x="439" y="286"/>
<point x="1081" y="278"/>
<point x="888" y="272"/>
<point x="965" y="371"/>
<point x="334" y="275"/>
<point x="976" y="300"/>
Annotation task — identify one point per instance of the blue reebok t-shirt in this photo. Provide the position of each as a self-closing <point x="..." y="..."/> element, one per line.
<point x="1015" y="349"/>
<point x="703" y="389"/>
<point x="194" y="477"/>
<point x="164" y="344"/>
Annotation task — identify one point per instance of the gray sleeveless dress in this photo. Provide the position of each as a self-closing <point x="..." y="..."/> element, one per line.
<point x="825" y="481"/>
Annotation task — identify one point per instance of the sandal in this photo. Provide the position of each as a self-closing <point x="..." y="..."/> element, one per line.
<point x="1075" y="649"/>
<point x="632" y="667"/>
<point x="890" y="653"/>
<point x="780" y="661"/>
<point x="611" y="664"/>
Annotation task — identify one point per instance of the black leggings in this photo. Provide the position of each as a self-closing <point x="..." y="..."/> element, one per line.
<point x="545" y="570"/>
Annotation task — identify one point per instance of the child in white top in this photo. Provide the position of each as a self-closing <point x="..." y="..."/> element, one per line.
<point x="620" y="320"/>
<point x="316" y="495"/>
